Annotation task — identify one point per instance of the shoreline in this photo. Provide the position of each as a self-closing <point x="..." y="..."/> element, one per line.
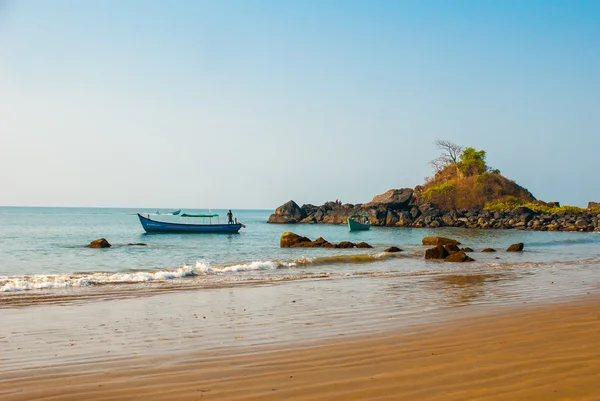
<point x="540" y="352"/>
<point x="397" y="208"/>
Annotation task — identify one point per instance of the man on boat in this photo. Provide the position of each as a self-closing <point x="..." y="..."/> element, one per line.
<point x="229" y="217"/>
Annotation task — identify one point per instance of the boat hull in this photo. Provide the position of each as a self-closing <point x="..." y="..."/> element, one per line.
<point x="354" y="225"/>
<point x="153" y="226"/>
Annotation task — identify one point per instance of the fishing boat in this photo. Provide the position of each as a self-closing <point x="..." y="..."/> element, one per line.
<point x="189" y="223"/>
<point x="358" y="222"/>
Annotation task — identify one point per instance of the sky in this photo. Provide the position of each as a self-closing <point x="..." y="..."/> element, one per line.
<point x="248" y="104"/>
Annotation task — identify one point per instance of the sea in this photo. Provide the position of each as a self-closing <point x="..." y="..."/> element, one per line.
<point x="43" y="256"/>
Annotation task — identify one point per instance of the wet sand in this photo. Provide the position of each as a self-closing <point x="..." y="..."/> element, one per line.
<point x="542" y="352"/>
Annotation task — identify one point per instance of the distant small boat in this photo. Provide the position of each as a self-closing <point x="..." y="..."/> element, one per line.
<point x="183" y="226"/>
<point x="358" y="222"/>
<point x="174" y="213"/>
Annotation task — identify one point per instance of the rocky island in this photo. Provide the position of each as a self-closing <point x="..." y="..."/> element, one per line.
<point x="464" y="192"/>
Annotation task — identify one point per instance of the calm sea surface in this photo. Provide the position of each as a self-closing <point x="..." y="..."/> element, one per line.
<point x="42" y="252"/>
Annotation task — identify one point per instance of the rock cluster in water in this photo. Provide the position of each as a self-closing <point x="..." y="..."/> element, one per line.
<point x="447" y="249"/>
<point x="398" y="208"/>
<point x="291" y="240"/>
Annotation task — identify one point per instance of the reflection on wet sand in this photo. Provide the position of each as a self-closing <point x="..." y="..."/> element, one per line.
<point x="466" y="288"/>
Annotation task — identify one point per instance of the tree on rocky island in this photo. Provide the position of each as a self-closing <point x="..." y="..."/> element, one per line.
<point x="463" y="180"/>
<point x="450" y="155"/>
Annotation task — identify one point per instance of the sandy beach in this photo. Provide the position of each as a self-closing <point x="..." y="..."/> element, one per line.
<point x="541" y="352"/>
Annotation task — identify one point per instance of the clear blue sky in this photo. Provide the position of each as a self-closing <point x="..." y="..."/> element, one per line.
<point x="247" y="104"/>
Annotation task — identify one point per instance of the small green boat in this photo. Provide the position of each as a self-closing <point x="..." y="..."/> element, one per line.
<point x="358" y="222"/>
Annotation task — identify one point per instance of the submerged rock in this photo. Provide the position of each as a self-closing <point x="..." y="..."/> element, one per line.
<point x="393" y="249"/>
<point x="290" y="240"/>
<point x="518" y="247"/>
<point x="488" y="250"/>
<point x="439" y="252"/>
<point x="451" y="248"/>
<point x="459" y="257"/>
<point x="137" y="244"/>
<point x="99" y="243"/>
<point x="467" y="249"/>
<point x="439" y="241"/>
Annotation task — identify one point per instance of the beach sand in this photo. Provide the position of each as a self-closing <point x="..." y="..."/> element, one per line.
<point x="542" y="352"/>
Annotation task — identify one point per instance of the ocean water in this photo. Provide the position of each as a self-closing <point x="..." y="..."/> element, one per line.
<point x="43" y="253"/>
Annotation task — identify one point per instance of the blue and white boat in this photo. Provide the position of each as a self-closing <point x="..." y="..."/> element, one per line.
<point x="183" y="224"/>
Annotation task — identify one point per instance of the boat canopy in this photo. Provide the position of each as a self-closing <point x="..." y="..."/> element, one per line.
<point x="199" y="215"/>
<point x="360" y="215"/>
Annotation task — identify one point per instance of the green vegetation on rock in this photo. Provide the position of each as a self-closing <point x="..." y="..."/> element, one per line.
<point x="463" y="180"/>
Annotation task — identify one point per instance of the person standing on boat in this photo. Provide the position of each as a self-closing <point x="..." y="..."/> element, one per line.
<point x="229" y="217"/>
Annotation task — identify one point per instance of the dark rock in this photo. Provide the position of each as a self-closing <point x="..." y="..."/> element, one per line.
<point x="515" y="247"/>
<point x="393" y="199"/>
<point x="439" y="252"/>
<point x="392" y="218"/>
<point x="451" y="248"/>
<point x="137" y="244"/>
<point x="291" y="240"/>
<point x="467" y="249"/>
<point x="459" y="257"/>
<point x="393" y="249"/>
<point x="363" y="245"/>
<point x="415" y="212"/>
<point x="429" y="210"/>
<point x="99" y="243"/>
<point x="439" y="241"/>
<point x="488" y="250"/>
<point x="345" y="244"/>
<point x="288" y="213"/>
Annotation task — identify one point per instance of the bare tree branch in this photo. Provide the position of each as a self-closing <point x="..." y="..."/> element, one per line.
<point x="450" y="152"/>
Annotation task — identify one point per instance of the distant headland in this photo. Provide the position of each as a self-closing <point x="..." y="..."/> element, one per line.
<point x="463" y="192"/>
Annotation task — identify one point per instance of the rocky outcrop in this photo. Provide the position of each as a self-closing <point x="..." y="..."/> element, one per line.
<point x="288" y="213"/>
<point x="515" y="247"/>
<point x="488" y="250"/>
<point x="99" y="243"/>
<point x="593" y="205"/>
<point x="291" y="240"/>
<point x="393" y="199"/>
<point x="390" y="209"/>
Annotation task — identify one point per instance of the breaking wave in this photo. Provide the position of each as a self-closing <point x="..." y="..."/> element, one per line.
<point x="57" y="281"/>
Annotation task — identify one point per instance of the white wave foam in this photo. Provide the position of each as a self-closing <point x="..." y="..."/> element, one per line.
<point x="36" y="282"/>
